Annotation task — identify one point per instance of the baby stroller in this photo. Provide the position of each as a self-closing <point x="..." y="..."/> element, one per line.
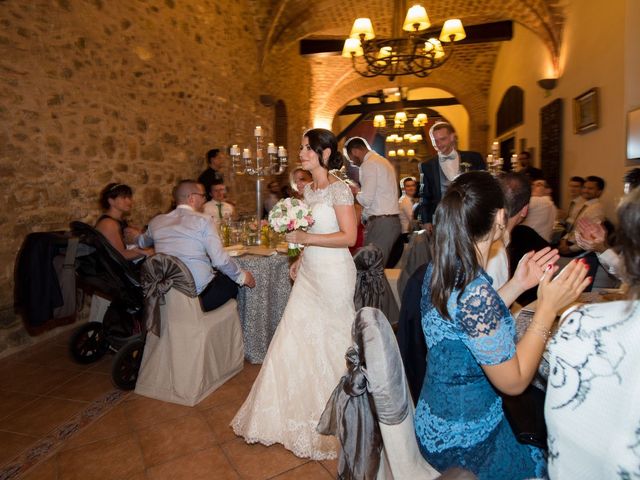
<point x="102" y="269"/>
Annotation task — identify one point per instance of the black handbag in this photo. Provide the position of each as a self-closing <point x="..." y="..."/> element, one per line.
<point x="525" y="414"/>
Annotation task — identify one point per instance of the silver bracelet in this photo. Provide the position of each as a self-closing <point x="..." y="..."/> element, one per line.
<point x="540" y="330"/>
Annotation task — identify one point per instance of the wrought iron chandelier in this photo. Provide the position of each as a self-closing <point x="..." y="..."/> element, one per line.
<point x="416" y="54"/>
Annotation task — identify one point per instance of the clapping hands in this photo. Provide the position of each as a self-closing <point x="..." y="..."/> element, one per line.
<point x="533" y="265"/>
<point x="556" y="293"/>
<point x="591" y="236"/>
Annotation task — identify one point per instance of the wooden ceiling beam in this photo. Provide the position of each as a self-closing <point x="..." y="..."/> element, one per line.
<point x="394" y="106"/>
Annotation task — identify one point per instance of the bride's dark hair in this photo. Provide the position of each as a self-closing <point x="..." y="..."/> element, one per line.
<point x="321" y="138"/>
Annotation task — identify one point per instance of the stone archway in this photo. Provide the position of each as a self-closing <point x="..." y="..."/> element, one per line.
<point x="333" y="88"/>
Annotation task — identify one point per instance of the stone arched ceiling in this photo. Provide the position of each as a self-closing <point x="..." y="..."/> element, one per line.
<point x="467" y="75"/>
<point x="335" y="84"/>
<point x="293" y="20"/>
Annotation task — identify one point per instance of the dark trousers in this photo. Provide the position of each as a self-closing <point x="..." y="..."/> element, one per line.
<point x="219" y="291"/>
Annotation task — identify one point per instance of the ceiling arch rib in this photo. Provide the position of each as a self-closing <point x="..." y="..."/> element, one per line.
<point x="294" y="20"/>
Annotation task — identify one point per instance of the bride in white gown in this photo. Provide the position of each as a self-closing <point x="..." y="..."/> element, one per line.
<point x="305" y="359"/>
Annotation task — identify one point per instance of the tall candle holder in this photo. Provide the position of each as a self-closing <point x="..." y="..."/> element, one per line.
<point x="494" y="164"/>
<point x="244" y="164"/>
<point x="494" y="161"/>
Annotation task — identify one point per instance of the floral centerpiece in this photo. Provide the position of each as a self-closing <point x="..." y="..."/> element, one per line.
<point x="290" y="214"/>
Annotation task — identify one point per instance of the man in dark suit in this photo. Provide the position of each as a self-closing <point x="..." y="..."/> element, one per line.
<point x="213" y="173"/>
<point x="437" y="172"/>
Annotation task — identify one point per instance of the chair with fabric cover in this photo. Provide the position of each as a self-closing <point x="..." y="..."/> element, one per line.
<point x="371" y="411"/>
<point x="188" y="353"/>
<point x="411" y="342"/>
<point x="418" y="253"/>
<point x="372" y="287"/>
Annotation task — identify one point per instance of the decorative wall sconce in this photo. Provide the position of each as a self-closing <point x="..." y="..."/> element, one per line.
<point x="548" y="84"/>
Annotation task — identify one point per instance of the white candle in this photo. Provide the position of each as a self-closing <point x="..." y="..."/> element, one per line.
<point x="489" y="159"/>
<point x="258" y="131"/>
<point x="235" y="151"/>
<point x="246" y="153"/>
<point x="271" y="149"/>
<point x="282" y="152"/>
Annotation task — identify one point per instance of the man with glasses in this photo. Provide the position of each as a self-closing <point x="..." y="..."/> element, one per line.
<point x="191" y="236"/>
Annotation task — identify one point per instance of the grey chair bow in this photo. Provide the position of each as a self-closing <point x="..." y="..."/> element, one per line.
<point x="161" y="273"/>
<point x="372" y="287"/>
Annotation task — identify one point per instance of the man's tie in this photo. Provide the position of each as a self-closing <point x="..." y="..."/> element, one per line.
<point x="219" y="210"/>
<point x="451" y="156"/>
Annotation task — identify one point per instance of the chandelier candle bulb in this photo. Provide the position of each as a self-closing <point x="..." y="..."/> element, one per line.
<point x="416" y="19"/>
<point x="271" y="149"/>
<point x="246" y="153"/>
<point x="437" y="48"/>
<point x="234" y="151"/>
<point x="352" y="47"/>
<point x="258" y="131"/>
<point x="452" y="31"/>
<point x="362" y="26"/>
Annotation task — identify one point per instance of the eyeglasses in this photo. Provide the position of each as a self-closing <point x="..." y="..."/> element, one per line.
<point x="198" y="193"/>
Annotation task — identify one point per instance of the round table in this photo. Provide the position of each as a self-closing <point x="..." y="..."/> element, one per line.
<point x="261" y="308"/>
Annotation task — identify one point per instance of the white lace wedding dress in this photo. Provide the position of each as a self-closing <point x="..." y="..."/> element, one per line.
<point x="305" y="359"/>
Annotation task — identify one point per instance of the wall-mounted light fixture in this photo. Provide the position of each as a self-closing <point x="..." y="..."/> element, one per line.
<point x="548" y="84"/>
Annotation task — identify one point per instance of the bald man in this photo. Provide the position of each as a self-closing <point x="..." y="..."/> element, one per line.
<point x="191" y="236"/>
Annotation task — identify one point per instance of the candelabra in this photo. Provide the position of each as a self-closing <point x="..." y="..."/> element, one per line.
<point x="257" y="167"/>
<point x="494" y="160"/>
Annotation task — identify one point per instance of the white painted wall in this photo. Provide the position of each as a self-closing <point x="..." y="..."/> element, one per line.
<point x="601" y="48"/>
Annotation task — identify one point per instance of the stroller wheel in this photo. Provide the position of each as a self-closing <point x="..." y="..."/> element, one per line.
<point x="127" y="363"/>
<point x="88" y="343"/>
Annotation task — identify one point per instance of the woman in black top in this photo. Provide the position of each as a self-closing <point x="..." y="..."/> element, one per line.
<point x="116" y="200"/>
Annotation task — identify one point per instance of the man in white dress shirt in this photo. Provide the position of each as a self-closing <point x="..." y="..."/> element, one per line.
<point x="409" y="188"/>
<point x="592" y="236"/>
<point x="191" y="236"/>
<point x="575" y="204"/>
<point x="591" y="209"/>
<point x="542" y="210"/>
<point x="217" y="208"/>
<point x="378" y="195"/>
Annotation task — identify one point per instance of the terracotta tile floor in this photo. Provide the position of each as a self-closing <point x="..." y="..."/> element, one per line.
<point x="42" y="389"/>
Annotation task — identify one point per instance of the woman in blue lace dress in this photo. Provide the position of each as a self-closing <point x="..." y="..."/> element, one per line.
<point x="470" y="336"/>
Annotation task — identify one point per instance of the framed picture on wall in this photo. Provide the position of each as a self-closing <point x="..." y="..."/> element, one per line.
<point x="633" y="135"/>
<point x="586" y="111"/>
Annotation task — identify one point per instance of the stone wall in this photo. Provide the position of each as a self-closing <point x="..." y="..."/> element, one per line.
<point x="128" y="91"/>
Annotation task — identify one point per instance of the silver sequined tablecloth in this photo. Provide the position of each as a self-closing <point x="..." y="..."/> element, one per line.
<point x="261" y="308"/>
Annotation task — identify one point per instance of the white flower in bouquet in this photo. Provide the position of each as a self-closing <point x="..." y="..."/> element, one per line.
<point x="290" y="214"/>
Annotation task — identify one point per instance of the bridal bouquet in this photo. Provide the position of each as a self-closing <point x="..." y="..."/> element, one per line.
<point x="290" y="214"/>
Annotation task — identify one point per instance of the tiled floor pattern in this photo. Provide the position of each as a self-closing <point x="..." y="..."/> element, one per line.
<point x="43" y="393"/>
